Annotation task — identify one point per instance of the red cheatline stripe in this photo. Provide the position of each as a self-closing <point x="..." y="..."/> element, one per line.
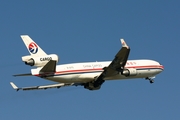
<point x="100" y="69"/>
<point x="162" y="67"/>
<point x="85" y="70"/>
<point x="97" y="69"/>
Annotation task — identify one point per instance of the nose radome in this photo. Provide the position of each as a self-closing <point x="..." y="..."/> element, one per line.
<point x="159" y="65"/>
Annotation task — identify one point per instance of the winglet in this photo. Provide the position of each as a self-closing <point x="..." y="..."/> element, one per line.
<point x="124" y="43"/>
<point x="14" y="86"/>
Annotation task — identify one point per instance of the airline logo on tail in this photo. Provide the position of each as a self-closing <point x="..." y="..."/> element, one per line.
<point x="33" y="48"/>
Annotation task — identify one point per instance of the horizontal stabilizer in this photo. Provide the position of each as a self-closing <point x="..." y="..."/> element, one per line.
<point x="26" y="74"/>
<point x="41" y="87"/>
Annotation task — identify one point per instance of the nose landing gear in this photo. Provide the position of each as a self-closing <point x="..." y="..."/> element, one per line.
<point x="150" y="79"/>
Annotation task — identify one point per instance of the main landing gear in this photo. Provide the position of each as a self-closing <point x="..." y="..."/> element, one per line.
<point x="150" y="80"/>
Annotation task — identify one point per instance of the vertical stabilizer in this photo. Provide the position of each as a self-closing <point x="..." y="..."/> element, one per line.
<point x="32" y="47"/>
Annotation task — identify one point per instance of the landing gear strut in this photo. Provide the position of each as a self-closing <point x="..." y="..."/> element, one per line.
<point x="150" y="80"/>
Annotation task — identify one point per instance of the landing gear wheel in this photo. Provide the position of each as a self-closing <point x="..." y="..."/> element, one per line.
<point x="151" y="81"/>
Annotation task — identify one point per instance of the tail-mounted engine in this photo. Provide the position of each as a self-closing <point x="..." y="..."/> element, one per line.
<point x="39" y="61"/>
<point x="129" y="72"/>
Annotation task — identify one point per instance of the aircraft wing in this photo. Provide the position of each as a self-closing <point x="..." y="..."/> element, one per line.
<point x="49" y="67"/>
<point x="117" y="65"/>
<point x="119" y="61"/>
<point x="41" y="87"/>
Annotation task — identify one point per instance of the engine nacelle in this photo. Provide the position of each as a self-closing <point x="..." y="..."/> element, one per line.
<point x="94" y="85"/>
<point x="39" y="61"/>
<point x="91" y="86"/>
<point x="129" y="72"/>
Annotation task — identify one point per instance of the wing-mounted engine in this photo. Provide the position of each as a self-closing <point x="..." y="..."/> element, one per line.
<point x="91" y="86"/>
<point x="90" y="81"/>
<point x="39" y="61"/>
<point x="129" y="72"/>
<point x="95" y="84"/>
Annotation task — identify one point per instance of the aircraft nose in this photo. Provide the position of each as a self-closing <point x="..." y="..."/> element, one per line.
<point x="161" y="67"/>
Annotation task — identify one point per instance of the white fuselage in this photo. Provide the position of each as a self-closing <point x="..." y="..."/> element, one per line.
<point x="87" y="71"/>
<point x="91" y="75"/>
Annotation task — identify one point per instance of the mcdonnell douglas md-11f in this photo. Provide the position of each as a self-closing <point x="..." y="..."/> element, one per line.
<point x="91" y="75"/>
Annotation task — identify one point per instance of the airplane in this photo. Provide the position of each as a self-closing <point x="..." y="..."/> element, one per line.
<point x="90" y="75"/>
